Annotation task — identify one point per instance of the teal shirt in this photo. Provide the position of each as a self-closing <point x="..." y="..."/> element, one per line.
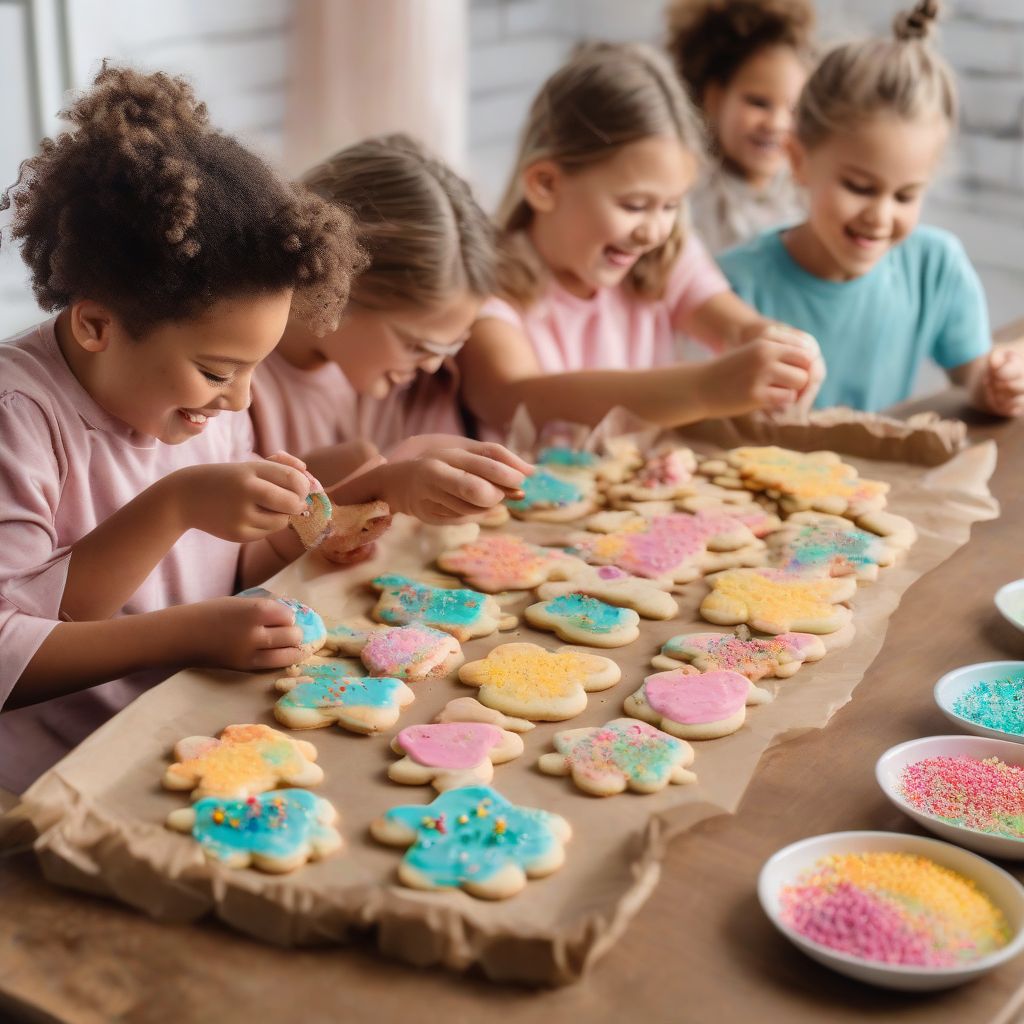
<point x="922" y="300"/>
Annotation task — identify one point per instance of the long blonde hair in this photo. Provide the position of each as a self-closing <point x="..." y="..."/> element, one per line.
<point x="903" y="75"/>
<point x="426" y="237"/>
<point x="605" y="97"/>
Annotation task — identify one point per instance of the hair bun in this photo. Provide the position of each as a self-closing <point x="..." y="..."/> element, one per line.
<point x="916" y="24"/>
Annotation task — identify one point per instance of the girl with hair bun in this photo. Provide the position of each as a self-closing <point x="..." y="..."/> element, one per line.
<point x="880" y="293"/>
<point x="744" y="63"/>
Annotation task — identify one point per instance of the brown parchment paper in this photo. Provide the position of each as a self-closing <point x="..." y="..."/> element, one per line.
<point x="97" y="817"/>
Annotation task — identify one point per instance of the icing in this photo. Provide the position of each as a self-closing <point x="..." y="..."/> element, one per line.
<point x="831" y="548"/>
<point x="696" y="699"/>
<point x="329" y="687"/>
<point x="805" y="476"/>
<point x="453" y="745"/>
<point x="499" y="562"/>
<point x="314" y="632"/>
<point x="588" y="613"/>
<point x="528" y="672"/>
<point x="672" y="467"/>
<point x="421" y="602"/>
<point x="543" y="489"/>
<point x="278" y="824"/>
<point x="770" y="594"/>
<point x="557" y="455"/>
<point x="624" y="746"/>
<point x="404" y="649"/>
<point x="754" y="658"/>
<point x="471" y="833"/>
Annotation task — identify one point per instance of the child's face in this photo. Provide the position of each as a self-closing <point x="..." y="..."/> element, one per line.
<point x="381" y="349"/>
<point x="752" y="116"/>
<point x="591" y="226"/>
<point x="181" y="374"/>
<point x="865" y="189"/>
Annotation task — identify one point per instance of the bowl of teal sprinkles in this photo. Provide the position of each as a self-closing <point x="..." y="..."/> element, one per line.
<point x="986" y="699"/>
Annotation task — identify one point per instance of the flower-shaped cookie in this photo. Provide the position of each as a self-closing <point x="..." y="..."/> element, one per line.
<point x="501" y="561"/>
<point x="543" y="686"/>
<point x="244" y="761"/>
<point x="663" y="477"/>
<point x="450" y="754"/>
<point x="552" y="499"/>
<point x="314" y="632"/>
<point x="773" y="601"/>
<point x="469" y="709"/>
<point x="325" y="695"/>
<point x="463" y="613"/>
<point x="754" y="657"/>
<point x="580" y="619"/>
<point x="275" y="832"/>
<point x="607" y="759"/>
<point x="613" y="585"/>
<point x="474" y="839"/>
<point x="693" y="707"/>
<point x="411" y="652"/>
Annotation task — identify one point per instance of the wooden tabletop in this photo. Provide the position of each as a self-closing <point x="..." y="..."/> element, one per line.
<point x="700" y="949"/>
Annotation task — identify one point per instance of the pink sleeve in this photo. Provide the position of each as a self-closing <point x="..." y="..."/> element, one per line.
<point x="694" y="279"/>
<point x="498" y="309"/>
<point x="33" y="569"/>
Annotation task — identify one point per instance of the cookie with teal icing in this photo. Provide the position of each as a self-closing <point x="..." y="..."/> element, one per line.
<point x="581" y="619"/>
<point x="325" y="695"/>
<point x="548" y="497"/>
<point x="474" y="839"/>
<point x="275" y="832"/>
<point x="607" y="759"/>
<point x="465" y="614"/>
<point x="314" y="632"/>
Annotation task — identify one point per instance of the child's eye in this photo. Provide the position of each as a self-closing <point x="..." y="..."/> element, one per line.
<point x="758" y="101"/>
<point x="634" y="207"/>
<point x="857" y="188"/>
<point x="213" y="378"/>
<point x="905" y="197"/>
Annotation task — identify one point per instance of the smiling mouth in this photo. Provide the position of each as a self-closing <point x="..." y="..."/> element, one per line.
<point x="198" y="418"/>
<point x="865" y="241"/>
<point x="621" y="257"/>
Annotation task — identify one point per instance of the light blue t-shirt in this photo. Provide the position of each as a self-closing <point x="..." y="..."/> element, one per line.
<point x="923" y="299"/>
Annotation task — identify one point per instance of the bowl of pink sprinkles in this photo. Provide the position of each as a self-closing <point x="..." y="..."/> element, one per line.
<point x="899" y="911"/>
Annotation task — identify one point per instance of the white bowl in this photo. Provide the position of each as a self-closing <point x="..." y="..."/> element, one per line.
<point x="890" y="767"/>
<point x="785" y="868"/>
<point x="955" y="684"/>
<point x="1010" y="602"/>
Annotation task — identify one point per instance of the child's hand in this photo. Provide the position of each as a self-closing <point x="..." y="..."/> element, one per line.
<point x="449" y="485"/>
<point x="248" y="634"/>
<point x="241" y="501"/>
<point x="1000" y="387"/>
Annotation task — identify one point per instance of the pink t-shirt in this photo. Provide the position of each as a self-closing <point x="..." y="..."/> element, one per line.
<point x="65" y="466"/>
<point x="614" y="330"/>
<point x="299" y="411"/>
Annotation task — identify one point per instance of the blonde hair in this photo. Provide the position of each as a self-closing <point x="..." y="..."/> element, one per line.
<point x="605" y="97"/>
<point x="902" y="75"/>
<point x="426" y="237"/>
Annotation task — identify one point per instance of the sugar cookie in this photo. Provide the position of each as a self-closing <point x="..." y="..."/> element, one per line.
<point x="773" y="601"/>
<point x="469" y="709"/>
<point x="275" y="832"/>
<point x="606" y="759"/>
<point x="754" y="657"/>
<point x="244" y="761"/>
<point x="450" y="754"/>
<point x="704" y="706"/>
<point x="611" y="584"/>
<point x="412" y="652"/>
<point x="463" y="613"/>
<point x="545" y="686"/>
<point x="663" y="477"/>
<point x="502" y="561"/>
<point x="579" y="619"/>
<point x="474" y="839"/>
<point x="551" y="499"/>
<point x="313" y="524"/>
<point x="353" y="529"/>
<point x="325" y="695"/>
<point x="314" y="632"/>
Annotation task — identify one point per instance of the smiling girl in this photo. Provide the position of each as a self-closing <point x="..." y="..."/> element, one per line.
<point x="880" y="293"/>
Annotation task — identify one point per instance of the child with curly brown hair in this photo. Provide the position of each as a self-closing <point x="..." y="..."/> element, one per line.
<point x="131" y="505"/>
<point x="744" y="63"/>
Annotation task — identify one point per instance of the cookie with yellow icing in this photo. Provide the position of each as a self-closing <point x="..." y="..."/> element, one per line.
<point x="543" y="686"/>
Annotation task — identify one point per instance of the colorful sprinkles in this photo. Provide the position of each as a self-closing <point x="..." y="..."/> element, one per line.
<point x="894" y="908"/>
<point x="987" y="796"/>
<point x="995" y="703"/>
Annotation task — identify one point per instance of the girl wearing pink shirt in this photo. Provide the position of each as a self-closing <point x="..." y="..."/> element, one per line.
<point x="131" y="505"/>
<point x="599" y="273"/>
<point x="387" y="376"/>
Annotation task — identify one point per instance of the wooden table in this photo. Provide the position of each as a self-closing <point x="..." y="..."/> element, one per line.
<point x="700" y="950"/>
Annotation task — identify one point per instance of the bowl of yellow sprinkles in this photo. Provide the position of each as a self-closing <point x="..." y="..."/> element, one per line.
<point x="899" y="911"/>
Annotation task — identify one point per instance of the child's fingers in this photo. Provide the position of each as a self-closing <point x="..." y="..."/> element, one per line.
<point x="272" y="638"/>
<point x="790" y="376"/>
<point x="499" y="453"/>
<point x="787" y="335"/>
<point x="286" y="477"/>
<point x="279" y="657"/>
<point x="778" y="397"/>
<point x="273" y="498"/>
<point x="500" y="474"/>
<point x="270" y="613"/>
<point x="286" y="459"/>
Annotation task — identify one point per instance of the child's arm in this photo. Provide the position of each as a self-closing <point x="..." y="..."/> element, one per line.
<point x="241" y="501"/>
<point x="246" y="634"/>
<point x="995" y="381"/>
<point x="500" y="372"/>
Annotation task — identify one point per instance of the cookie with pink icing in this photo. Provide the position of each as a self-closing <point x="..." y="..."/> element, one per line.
<point x="243" y="761"/>
<point x="774" y="601"/>
<point x="754" y="657"/>
<point x="502" y="561"/>
<point x="450" y="754"/>
<point x="704" y="706"/>
<point x="663" y="476"/>
<point x="411" y="652"/>
<point x="613" y="585"/>
<point x="607" y="759"/>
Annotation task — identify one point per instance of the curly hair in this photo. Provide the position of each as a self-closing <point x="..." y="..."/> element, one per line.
<point x="426" y="236"/>
<point x="710" y="40"/>
<point x="145" y="207"/>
